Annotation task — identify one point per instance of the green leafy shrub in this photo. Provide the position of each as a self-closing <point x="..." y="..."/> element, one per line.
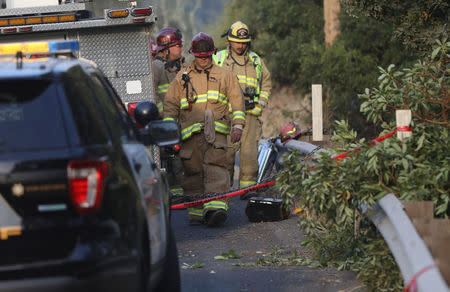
<point x="416" y="23"/>
<point x="415" y="169"/>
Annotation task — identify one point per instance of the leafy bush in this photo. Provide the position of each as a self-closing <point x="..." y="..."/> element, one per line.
<point x="415" y="169"/>
<point x="416" y="23"/>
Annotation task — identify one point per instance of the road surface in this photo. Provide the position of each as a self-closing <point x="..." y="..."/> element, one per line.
<point x="200" y="244"/>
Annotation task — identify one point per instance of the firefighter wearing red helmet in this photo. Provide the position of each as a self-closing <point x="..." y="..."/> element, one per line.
<point x="255" y="83"/>
<point x="167" y="62"/>
<point x="153" y="48"/>
<point x="201" y="98"/>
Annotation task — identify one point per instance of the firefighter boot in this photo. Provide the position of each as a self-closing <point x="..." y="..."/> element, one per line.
<point x="215" y="218"/>
<point x="215" y="212"/>
<point x="195" y="215"/>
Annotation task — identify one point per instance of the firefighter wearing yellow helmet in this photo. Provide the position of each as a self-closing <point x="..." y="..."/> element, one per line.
<point x="255" y="84"/>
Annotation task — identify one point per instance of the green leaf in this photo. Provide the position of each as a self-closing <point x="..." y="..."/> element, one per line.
<point x="435" y="52"/>
<point x="405" y="163"/>
<point x="420" y="142"/>
<point x="193" y="266"/>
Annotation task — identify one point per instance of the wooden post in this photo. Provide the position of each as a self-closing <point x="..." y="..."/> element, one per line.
<point x="317" y="124"/>
<point x="403" y="118"/>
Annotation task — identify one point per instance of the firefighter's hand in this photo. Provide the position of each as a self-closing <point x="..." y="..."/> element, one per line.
<point x="236" y="134"/>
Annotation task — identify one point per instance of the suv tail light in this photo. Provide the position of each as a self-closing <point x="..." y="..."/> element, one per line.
<point x="86" y="182"/>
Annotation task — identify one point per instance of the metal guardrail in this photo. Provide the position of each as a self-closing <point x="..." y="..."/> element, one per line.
<point x="301" y="146"/>
<point x="413" y="258"/>
<point x="410" y="252"/>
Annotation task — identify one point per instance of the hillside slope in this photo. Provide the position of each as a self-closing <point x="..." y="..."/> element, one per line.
<point x="285" y="106"/>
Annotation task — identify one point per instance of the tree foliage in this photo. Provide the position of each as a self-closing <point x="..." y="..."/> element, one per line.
<point x="416" y="169"/>
<point x="190" y="16"/>
<point x="289" y="35"/>
<point x="417" y="23"/>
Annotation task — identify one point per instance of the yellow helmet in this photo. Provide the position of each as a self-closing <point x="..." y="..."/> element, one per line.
<point x="239" y="33"/>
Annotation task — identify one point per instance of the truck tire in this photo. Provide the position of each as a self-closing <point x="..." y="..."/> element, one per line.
<point x="170" y="280"/>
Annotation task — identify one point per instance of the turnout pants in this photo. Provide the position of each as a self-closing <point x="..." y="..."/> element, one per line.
<point x="248" y="156"/>
<point x="174" y="172"/>
<point x="205" y="171"/>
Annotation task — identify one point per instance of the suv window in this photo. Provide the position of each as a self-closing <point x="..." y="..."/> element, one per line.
<point x="81" y="98"/>
<point x="113" y="116"/>
<point x="30" y="116"/>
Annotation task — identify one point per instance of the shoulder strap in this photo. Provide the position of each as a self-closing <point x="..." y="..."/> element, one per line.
<point x="255" y="58"/>
<point x="219" y="57"/>
<point x="258" y="67"/>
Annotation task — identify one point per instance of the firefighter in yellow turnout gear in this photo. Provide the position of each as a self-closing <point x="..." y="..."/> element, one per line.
<point x="200" y="99"/>
<point x="255" y="83"/>
<point x="167" y="62"/>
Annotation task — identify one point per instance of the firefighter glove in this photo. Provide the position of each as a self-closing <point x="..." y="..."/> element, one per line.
<point x="236" y="134"/>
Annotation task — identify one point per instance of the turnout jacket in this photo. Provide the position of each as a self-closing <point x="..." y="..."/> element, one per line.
<point x="163" y="74"/>
<point x="216" y="89"/>
<point x="251" y="72"/>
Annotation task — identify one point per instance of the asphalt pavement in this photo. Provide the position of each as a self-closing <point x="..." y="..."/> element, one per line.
<point x="254" y="241"/>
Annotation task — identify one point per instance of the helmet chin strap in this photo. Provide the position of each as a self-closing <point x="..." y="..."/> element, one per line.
<point x="167" y="54"/>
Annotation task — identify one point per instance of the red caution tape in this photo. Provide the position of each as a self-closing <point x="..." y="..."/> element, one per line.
<point x="373" y="142"/>
<point x="412" y="285"/>
<point x="404" y="129"/>
<point x="255" y="187"/>
<point x="226" y="195"/>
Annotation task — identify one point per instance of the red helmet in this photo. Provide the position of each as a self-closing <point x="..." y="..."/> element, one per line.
<point x="290" y="131"/>
<point x="168" y="37"/>
<point x="202" y="45"/>
<point x="153" y="46"/>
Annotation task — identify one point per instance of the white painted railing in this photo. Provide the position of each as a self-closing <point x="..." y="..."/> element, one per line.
<point x="410" y="252"/>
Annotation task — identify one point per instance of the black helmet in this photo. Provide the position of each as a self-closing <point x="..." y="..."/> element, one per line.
<point x="145" y="112"/>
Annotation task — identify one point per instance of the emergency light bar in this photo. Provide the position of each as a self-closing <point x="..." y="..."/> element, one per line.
<point x="38" y="19"/>
<point x="52" y="47"/>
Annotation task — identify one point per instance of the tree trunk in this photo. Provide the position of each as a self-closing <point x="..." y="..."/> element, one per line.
<point x="331" y="10"/>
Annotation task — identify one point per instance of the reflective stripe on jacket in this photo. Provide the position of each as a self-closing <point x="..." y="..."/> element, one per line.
<point x="162" y="78"/>
<point x="217" y="90"/>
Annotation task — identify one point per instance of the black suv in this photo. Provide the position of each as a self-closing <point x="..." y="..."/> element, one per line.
<point x="83" y="206"/>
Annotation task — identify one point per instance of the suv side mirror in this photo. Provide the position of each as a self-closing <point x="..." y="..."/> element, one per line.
<point x="161" y="133"/>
